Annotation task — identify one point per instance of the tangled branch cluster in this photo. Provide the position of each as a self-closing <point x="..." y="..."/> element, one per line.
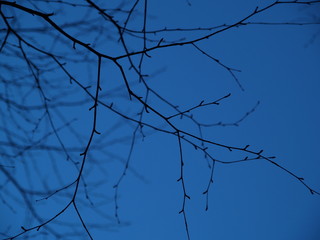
<point x="42" y="88"/>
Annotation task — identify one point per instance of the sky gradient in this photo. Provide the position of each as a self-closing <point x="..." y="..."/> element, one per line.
<point x="252" y="200"/>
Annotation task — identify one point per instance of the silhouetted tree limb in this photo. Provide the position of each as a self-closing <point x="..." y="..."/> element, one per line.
<point x="40" y="81"/>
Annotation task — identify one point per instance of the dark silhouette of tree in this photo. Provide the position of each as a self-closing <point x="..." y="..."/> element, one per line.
<point x="77" y="93"/>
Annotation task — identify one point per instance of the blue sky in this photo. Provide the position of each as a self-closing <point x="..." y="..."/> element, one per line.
<point x="251" y="200"/>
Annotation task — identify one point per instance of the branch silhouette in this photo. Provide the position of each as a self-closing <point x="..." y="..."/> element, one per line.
<point x="54" y="70"/>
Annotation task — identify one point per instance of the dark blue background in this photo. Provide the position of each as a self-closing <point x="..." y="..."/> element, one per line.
<point x="252" y="200"/>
